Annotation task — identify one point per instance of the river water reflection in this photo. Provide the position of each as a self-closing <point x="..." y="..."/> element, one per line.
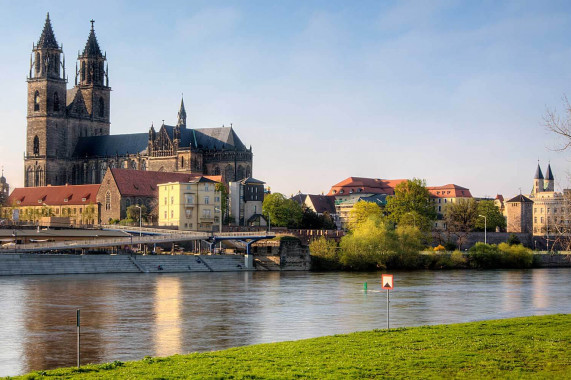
<point x="126" y="317"/>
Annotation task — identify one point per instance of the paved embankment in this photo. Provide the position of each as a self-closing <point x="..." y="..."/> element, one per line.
<point x="32" y="264"/>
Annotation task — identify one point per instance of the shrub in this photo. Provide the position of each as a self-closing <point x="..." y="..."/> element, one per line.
<point x="516" y="256"/>
<point x="485" y="256"/>
<point x="458" y="259"/>
<point x="513" y="240"/>
<point x="450" y="246"/>
<point x="324" y="254"/>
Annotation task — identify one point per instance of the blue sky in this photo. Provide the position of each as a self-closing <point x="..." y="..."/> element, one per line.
<point x="449" y="91"/>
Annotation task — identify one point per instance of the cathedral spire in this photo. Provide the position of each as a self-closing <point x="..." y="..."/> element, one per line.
<point x="181" y="115"/>
<point x="92" y="46"/>
<point x="92" y="68"/>
<point x="47" y="39"/>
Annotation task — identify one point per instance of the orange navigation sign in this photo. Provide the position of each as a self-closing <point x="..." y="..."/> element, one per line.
<point x="387" y="281"/>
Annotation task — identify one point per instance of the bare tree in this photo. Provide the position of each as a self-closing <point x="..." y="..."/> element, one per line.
<point x="561" y="127"/>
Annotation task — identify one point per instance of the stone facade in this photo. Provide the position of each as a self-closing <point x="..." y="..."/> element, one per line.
<point x="68" y="133"/>
<point x="519" y="215"/>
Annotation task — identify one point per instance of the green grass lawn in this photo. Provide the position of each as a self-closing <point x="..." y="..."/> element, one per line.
<point x="530" y="347"/>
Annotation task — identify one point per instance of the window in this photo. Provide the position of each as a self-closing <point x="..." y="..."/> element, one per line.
<point x="535" y="220"/>
<point x="182" y="162"/>
<point x="206" y="213"/>
<point x="165" y="201"/>
<point x="108" y="200"/>
<point x="172" y="200"/>
<point x="37" y="101"/>
<point x="36" y="145"/>
<point x="439" y="200"/>
<point x="216" y="199"/>
<point x="188" y="199"/>
<point x="206" y="188"/>
<point x="101" y="107"/>
<point x="56" y="102"/>
<point x="172" y="214"/>
<point x="188" y="213"/>
<point x="206" y="200"/>
<point x="165" y="214"/>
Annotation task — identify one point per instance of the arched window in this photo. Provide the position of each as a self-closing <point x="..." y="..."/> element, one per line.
<point x="248" y="172"/>
<point x="36" y="145"/>
<point x="143" y="165"/>
<point x="37" y="63"/>
<point x="182" y="162"/>
<point x="56" y="102"/>
<point x="240" y="173"/>
<point x="101" y="107"/>
<point x="134" y="165"/>
<point x="83" y="71"/>
<point x="127" y="202"/>
<point x="108" y="200"/>
<point x="216" y="170"/>
<point x="229" y="174"/>
<point x="102" y="169"/>
<point x="37" y="101"/>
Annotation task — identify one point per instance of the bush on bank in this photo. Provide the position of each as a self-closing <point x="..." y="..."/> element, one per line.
<point x="490" y="256"/>
<point x="378" y="246"/>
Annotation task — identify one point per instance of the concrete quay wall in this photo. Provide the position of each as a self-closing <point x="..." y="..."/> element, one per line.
<point x="45" y="264"/>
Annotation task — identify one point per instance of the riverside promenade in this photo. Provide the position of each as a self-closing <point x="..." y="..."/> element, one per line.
<point x="46" y="264"/>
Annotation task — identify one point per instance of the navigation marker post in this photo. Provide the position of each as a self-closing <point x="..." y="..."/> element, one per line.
<point x="387" y="283"/>
<point x="78" y="335"/>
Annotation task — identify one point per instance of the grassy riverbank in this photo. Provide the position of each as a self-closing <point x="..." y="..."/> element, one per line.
<point x="530" y="347"/>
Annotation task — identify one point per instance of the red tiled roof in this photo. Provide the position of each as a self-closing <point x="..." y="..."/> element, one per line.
<point x="54" y="195"/>
<point x="353" y="185"/>
<point x="449" y="191"/>
<point x="139" y="183"/>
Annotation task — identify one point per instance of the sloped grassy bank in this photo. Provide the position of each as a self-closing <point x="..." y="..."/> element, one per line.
<point x="530" y="347"/>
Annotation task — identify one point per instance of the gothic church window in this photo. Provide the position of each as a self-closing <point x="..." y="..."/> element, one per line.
<point x="182" y="162"/>
<point x="108" y="200"/>
<point x="216" y="170"/>
<point x="36" y="145"/>
<point x="37" y="101"/>
<point x="240" y="173"/>
<point x="101" y="107"/>
<point x="229" y="174"/>
<point x="56" y="102"/>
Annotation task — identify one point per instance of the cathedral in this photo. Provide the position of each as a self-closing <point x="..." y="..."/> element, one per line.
<point x="68" y="138"/>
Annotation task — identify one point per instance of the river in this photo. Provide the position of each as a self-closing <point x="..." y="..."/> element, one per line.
<point x="126" y="317"/>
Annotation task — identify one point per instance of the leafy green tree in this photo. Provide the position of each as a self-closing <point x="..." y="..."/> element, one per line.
<point x="494" y="217"/>
<point x="133" y="213"/>
<point x="361" y="212"/>
<point x="223" y="200"/>
<point x="411" y="205"/>
<point x="327" y="222"/>
<point x="281" y="211"/>
<point x="461" y="216"/>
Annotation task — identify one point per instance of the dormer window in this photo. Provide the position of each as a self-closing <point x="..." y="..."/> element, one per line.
<point x="83" y="199"/>
<point x="65" y="200"/>
<point x="341" y="191"/>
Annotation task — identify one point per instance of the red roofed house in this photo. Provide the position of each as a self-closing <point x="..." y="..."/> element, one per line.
<point x="78" y="202"/>
<point x="351" y="190"/>
<point x="442" y="196"/>
<point x="355" y="187"/>
<point x="122" y="188"/>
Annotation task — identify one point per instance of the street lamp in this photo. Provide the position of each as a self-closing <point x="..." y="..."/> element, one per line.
<point x="140" y="224"/>
<point x="485" y="228"/>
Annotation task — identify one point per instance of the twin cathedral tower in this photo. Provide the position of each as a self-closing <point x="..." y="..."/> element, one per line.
<point x="68" y="133"/>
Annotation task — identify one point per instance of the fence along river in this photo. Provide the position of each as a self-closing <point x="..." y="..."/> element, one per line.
<point x="128" y="316"/>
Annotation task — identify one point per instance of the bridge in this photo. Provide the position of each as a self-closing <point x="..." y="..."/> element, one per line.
<point x="140" y="236"/>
